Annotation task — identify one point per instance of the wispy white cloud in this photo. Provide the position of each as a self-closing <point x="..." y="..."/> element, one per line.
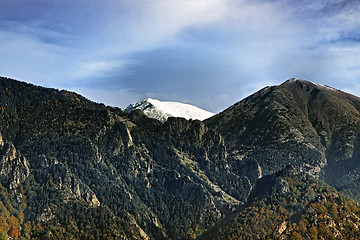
<point x="233" y="47"/>
<point x="96" y="69"/>
<point x="26" y="58"/>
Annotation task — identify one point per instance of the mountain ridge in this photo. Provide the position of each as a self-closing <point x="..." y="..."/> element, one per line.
<point x="274" y="153"/>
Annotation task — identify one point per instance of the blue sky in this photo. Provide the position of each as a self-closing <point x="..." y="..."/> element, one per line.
<point x="210" y="53"/>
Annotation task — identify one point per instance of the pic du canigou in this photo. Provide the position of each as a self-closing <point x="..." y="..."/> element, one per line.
<point x="284" y="163"/>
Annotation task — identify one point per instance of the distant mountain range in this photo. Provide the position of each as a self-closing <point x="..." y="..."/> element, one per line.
<point x="162" y="110"/>
<point x="283" y="163"/>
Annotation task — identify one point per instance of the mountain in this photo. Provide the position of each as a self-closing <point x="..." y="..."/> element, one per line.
<point x="162" y="110"/>
<point x="297" y="117"/>
<point x="314" y="130"/>
<point x="281" y="164"/>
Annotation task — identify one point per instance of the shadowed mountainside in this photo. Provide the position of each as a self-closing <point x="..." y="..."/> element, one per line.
<point x="75" y="169"/>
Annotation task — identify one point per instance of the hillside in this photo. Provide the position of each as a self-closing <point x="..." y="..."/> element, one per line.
<point x="289" y="205"/>
<point x="74" y="169"/>
<point x="89" y="157"/>
<point x="304" y="121"/>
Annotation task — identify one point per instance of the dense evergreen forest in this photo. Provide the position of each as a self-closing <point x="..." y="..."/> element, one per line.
<point x="281" y="164"/>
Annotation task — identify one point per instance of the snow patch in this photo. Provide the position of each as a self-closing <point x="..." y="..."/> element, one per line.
<point x="161" y="110"/>
<point x="294" y="80"/>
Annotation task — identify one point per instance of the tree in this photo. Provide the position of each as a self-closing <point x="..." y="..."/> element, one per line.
<point x="14" y="233"/>
<point x="313" y="232"/>
<point x="296" y="236"/>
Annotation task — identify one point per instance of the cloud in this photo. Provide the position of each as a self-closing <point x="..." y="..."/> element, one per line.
<point x="94" y="35"/>
<point x="25" y="58"/>
<point x="101" y="69"/>
<point x="117" y="98"/>
<point x="181" y="49"/>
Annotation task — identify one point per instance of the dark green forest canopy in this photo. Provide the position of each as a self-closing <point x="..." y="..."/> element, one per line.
<point x="276" y="165"/>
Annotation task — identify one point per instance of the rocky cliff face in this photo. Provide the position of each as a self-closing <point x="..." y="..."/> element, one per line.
<point x="91" y="171"/>
<point x="14" y="166"/>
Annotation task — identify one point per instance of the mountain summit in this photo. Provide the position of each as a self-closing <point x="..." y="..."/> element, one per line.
<point x="162" y="110"/>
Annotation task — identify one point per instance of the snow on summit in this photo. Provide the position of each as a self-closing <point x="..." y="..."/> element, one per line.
<point x="161" y="110"/>
<point x="294" y="80"/>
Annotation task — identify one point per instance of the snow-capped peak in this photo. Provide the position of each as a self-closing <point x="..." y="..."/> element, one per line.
<point x="161" y="110"/>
